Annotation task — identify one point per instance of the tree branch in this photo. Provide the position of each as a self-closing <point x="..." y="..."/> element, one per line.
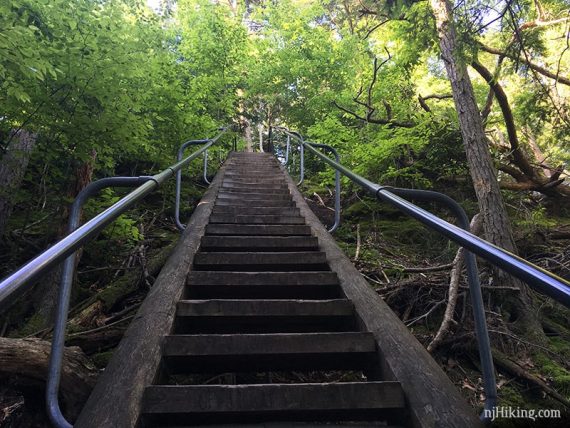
<point x="519" y="157"/>
<point x="531" y="65"/>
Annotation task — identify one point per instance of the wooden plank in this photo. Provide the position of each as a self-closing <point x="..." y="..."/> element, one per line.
<point x="281" y="344"/>
<point x="252" y="196"/>
<point x="433" y="399"/>
<point x="262" y="261"/>
<point x="262" y="278"/>
<point x="256" y="219"/>
<point x="262" y="285"/>
<point x="264" y="308"/>
<point x="211" y="353"/>
<point x="286" y="203"/>
<point x="276" y="399"/>
<point x="271" y="243"/>
<point x="258" y="229"/>
<point x="255" y="210"/>
<point x="116" y="398"/>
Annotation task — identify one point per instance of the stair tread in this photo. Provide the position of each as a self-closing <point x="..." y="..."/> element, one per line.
<point x="281" y="344"/>
<point x="228" y="195"/>
<point x="255" y="210"/>
<point x="163" y="399"/>
<point x="255" y="203"/>
<point x="251" y="242"/>
<point x="258" y="229"/>
<point x="264" y="307"/>
<point x="258" y="258"/>
<point x="262" y="278"/>
<point x="256" y="219"/>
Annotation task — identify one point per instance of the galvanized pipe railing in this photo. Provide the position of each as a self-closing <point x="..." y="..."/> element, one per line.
<point x="331" y="149"/>
<point x="65" y="287"/>
<point x="179" y="157"/>
<point x="540" y="279"/>
<point x="15" y="284"/>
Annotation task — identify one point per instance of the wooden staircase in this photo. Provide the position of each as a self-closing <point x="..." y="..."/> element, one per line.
<point x="263" y="332"/>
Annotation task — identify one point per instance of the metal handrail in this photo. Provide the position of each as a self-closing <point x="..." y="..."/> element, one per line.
<point x="540" y="279"/>
<point x="14" y="285"/>
<point x="64" y="293"/>
<point x="331" y="149"/>
<point x="179" y="156"/>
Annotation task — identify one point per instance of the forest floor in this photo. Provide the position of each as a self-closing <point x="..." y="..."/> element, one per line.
<point x="407" y="265"/>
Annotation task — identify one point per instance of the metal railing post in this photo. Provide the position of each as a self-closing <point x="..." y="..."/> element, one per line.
<point x="179" y="156"/>
<point x="482" y="333"/>
<point x="205" y="176"/>
<point x="65" y="287"/>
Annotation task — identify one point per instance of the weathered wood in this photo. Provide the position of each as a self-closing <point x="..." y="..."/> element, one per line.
<point x="262" y="278"/>
<point x="269" y="191"/>
<point x="28" y="359"/>
<point x="260" y="352"/>
<point x="255" y="219"/>
<point x="247" y="229"/>
<point x="255" y="210"/>
<point x="230" y="316"/>
<point x="258" y="344"/>
<point x="261" y="261"/>
<point x="237" y="403"/>
<point x="264" y="308"/>
<point x="273" y="243"/>
<point x="257" y="203"/>
<point x="228" y="195"/>
<point x="432" y="398"/>
<point x="116" y="399"/>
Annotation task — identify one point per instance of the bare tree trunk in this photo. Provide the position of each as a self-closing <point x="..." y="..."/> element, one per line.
<point x="248" y="135"/>
<point x="12" y="169"/>
<point x="260" y="132"/>
<point x="496" y="224"/>
<point x="46" y="293"/>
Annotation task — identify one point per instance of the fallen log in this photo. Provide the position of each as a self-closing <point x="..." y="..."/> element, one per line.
<point x="26" y="360"/>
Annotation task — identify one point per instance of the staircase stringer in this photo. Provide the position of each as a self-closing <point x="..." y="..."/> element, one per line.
<point x="432" y="399"/>
<point x="116" y="398"/>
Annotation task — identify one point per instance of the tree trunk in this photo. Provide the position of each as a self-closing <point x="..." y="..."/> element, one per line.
<point x="12" y="169"/>
<point x="45" y="295"/>
<point x="496" y="224"/>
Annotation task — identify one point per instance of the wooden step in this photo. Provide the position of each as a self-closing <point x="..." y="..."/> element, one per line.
<point x="251" y="196"/>
<point x="264" y="308"/>
<point x="282" y="402"/>
<point x="212" y="353"/>
<point x="210" y="278"/>
<point x="261" y="261"/>
<point x="263" y="316"/>
<point x="262" y="285"/>
<point x="272" y="203"/>
<point x="271" y="243"/>
<point x="255" y="210"/>
<point x="249" y="172"/>
<point x="256" y="219"/>
<point x="267" y="182"/>
<point x="258" y="188"/>
<point x="258" y="229"/>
